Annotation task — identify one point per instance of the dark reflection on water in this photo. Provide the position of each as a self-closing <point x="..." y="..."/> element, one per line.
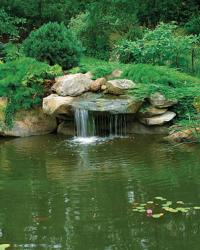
<point x="59" y="195"/>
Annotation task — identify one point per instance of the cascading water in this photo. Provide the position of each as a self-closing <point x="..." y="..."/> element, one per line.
<point x="90" y="124"/>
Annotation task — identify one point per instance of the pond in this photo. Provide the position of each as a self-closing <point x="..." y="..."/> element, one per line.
<point x="60" y="194"/>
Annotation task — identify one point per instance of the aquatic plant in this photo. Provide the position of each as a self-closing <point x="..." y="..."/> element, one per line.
<point x="160" y="206"/>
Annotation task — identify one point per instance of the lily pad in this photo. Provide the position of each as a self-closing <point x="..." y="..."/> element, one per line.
<point x="170" y="209"/>
<point x="182" y="209"/>
<point x="180" y="202"/>
<point x="167" y="204"/>
<point x="4" y="246"/>
<point x="197" y="208"/>
<point x="150" y="202"/>
<point x="156" y="216"/>
<point x="160" y="198"/>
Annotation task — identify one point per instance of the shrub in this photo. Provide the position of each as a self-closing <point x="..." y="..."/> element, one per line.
<point x="55" y="44"/>
<point x="193" y="25"/>
<point x="160" y="46"/>
<point x="21" y="81"/>
<point x="10" y="26"/>
<point x="2" y="51"/>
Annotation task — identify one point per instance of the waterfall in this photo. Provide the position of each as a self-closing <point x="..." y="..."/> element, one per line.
<point x="90" y="124"/>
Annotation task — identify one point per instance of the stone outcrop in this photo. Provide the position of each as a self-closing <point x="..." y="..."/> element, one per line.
<point x="151" y="111"/>
<point x="96" y="85"/>
<point x="107" y="103"/>
<point x="57" y="105"/>
<point x="72" y="85"/>
<point x="184" y="135"/>
<point x="30" y="122"/>
<point x="119" y="86"/>
<point x="66" y="128"/>
<point x="160" y="101"/>
<point x="159" y="119"/>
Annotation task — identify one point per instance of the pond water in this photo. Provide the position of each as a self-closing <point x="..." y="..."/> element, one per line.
<point x="61" y="194"/>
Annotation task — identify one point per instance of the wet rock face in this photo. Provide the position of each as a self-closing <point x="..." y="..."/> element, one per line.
<point x="107" y="103"/>
<point x="160" y="101"/>
<point x="29" y="123"/>
<point x="72" y="85"/>
<point x="119" y="86"/>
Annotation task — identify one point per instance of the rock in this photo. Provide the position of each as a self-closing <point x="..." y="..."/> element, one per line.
<point x="96" y="85"/>
<point x="159" y="119"/>
<point x="30" y="122"/>
<point x="72" y="85"/>
<point x="3" y="104"/>
<point x="115" y="74"/>
<point x="89" y="74"/>
<point x="151" y="112"/>
<point x="138" y="128"/>
<point x="103" y="87"/>
<point x="56" y="105"/>
<point x="67" y="128"/>
<point x="159" y="101"/>
<point x="183" y="135"/>
<point x="107" y="103"/>
<point x="119" y="86"/>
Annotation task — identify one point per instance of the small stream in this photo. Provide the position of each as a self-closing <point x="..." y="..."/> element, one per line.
<point x="59" y="194"/>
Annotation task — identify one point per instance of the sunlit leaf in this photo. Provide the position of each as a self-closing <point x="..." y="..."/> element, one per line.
<point x="156" y="216"/>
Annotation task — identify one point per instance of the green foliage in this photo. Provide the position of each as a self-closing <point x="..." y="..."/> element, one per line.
<point x="21" y="81"/>
<point x="97" y="67"/>
<point x="193" y="25"/>
<point x="55" y="44"/>
<point x="159" y="46"/>
<point x="2" y="51"/>
<point x="9" y="26"/>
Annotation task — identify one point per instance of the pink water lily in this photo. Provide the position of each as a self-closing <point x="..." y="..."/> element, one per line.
<point x="149" y="212"/>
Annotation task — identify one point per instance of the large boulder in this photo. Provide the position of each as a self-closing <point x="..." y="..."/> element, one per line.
<point x="159" y="119"/>
<point x="72" y="85"/>
<point x="57" y="105"/>
<point x="30" y="122"/>
<point x="119" y="86"/>
<point x="160" y="101"/>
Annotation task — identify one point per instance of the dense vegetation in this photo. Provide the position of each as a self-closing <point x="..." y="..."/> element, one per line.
<point x="155" y="43"/>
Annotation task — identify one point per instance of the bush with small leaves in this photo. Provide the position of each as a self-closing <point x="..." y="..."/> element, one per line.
<point x="55" y="44"/>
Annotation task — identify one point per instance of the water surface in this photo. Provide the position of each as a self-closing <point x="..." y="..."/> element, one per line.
<point x="59" y="194"/>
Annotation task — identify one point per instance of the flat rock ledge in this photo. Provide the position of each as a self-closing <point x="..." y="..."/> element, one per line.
<point x="159" y="119"/>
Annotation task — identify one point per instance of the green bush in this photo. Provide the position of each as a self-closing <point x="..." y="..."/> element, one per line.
<point x="193" y="25"/>
<point x="10" y="26"/>
<point x="21" y="81"/>
<point x="2" y="51"/>
<point x="55" y="44"/>
<point x="160" y="46"/>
